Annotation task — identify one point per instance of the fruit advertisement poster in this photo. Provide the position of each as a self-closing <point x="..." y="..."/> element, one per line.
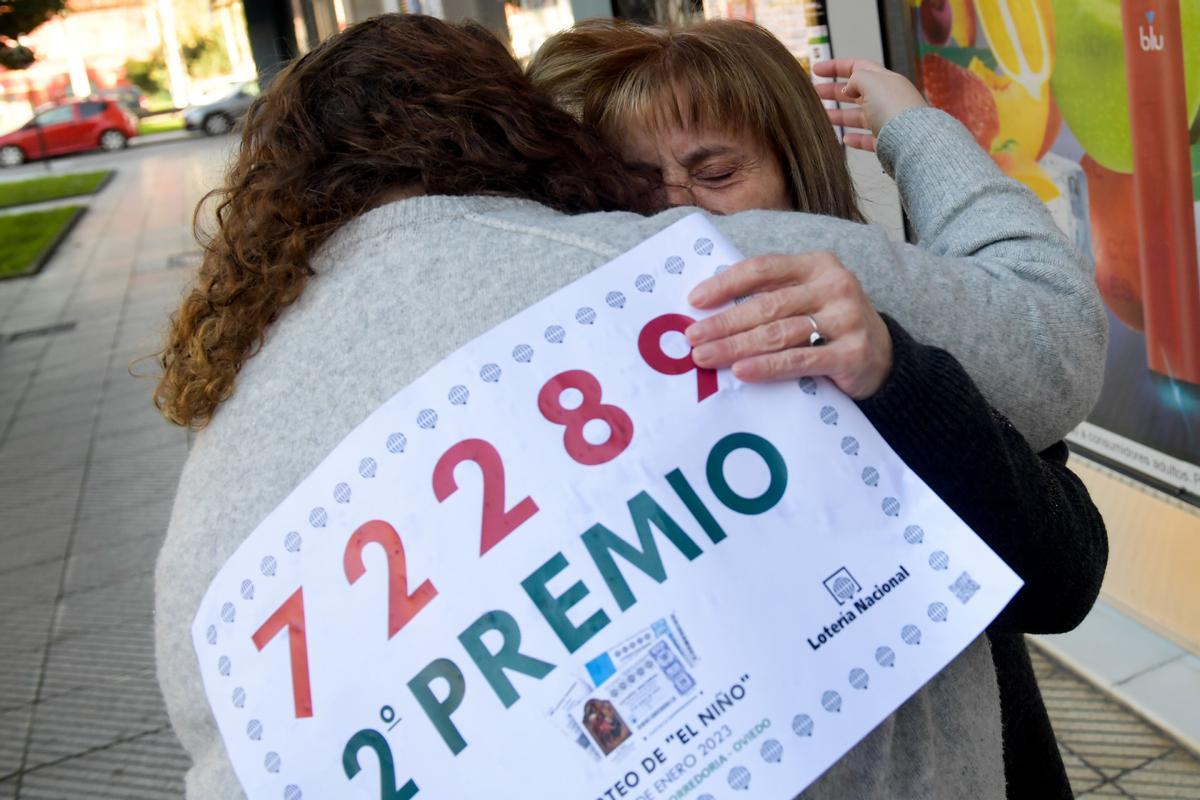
<point x="1093" y="105"/>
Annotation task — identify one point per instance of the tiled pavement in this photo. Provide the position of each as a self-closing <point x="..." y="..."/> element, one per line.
<point x="1110" y="752"/>
<point x="87" y="472"/>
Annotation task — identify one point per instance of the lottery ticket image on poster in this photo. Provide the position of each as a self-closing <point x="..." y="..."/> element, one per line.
<point x="637" y="685"/>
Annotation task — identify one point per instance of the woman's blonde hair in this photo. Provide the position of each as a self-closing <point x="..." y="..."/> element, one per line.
<point x="724" y="75"/>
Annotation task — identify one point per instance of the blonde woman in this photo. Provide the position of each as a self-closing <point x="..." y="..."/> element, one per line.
<point x="732" y="122"/>
<point x="722" y="108"/>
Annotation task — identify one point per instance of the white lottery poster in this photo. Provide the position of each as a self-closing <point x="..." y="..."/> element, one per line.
<point x="565" y="563"/>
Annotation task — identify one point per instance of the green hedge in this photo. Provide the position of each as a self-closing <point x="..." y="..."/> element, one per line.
<point x="51" y="187"/>
<point x="23" y="237"/>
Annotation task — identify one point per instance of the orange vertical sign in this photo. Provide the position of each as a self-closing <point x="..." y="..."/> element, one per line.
<point x="1163" y="187"/>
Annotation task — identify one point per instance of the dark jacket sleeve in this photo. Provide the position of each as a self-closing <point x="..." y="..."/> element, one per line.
<point x="1029" y="508"/>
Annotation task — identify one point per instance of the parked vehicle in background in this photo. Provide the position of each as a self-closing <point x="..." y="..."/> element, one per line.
<point x="130" y="97"/>
<point x="68" y="128"/>
<point x="221" y="115"/>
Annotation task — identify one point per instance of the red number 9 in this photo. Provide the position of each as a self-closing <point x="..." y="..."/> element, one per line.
<point x="650" y="346"/>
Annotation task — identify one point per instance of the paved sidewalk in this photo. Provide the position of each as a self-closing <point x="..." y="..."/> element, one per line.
<point x="87" y="473"/>
<point x="1109" y="751"/>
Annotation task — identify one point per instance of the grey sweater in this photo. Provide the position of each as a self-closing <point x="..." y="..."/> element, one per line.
<point x="994" y="282"/>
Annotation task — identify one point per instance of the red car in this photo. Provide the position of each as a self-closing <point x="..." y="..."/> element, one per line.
<point x="67" y="128"/>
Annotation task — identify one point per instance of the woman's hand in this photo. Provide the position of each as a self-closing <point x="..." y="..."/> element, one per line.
<point x="767" y="337"/>
<point x="878" y="93"/>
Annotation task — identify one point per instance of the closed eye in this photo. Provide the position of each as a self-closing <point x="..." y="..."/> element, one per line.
<point x="716" y="176"/>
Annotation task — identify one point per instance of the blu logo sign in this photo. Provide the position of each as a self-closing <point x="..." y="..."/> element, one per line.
<point x="1148" y="40"/>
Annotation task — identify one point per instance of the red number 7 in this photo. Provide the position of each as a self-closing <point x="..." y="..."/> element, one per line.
<point x="290" y="615"/>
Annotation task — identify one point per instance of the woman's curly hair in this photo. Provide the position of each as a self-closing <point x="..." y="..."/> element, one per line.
<point x="396" y="102"/>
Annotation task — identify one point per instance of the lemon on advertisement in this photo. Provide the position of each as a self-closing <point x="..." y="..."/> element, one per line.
<point x="1021" y="36"/>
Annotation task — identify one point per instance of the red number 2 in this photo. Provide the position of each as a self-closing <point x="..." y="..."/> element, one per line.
<point x="497" y="523"/>
<point x="620" y="426"/>
<point x="402" y="606"/>
<point x="290" y="615"/>
<point x="650" y="346"/>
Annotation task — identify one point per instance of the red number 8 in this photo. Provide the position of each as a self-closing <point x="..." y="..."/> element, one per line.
<point x="620" y="426"/>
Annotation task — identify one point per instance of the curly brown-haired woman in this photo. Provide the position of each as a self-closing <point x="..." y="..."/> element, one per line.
<point x="402" y="188"/>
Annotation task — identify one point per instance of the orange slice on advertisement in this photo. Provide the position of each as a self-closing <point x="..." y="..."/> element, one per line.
<point x="1021" y="35"/>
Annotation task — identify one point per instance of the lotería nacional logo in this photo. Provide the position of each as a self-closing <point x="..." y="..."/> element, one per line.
<point x="842" y="586"/>
<point x="849" y="593"/>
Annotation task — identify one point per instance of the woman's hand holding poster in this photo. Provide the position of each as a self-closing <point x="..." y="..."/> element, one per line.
<point x="567" y="563"/>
